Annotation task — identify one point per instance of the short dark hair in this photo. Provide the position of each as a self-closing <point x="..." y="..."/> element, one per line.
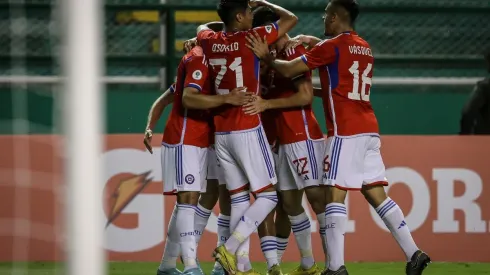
<point x="227" y="9"/>
<point x="263" y="16"/>
<point x="351" y="6"/>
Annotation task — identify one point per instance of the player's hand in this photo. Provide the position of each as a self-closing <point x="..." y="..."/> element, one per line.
<point x="258" y="45"/>
<point x="147" y="140"/>
<point x="256" y="106"/>
<point x="293" y="43"/>
<point x="189" y="44"/>
<point x="256" y="3"/>
<point x="238" y="96"/>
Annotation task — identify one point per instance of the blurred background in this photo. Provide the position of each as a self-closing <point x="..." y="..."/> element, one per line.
<point x="429" y="56"/>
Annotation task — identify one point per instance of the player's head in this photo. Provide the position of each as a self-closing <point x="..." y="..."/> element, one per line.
<point x="340" y="14"/>
<point x="235" y="14"/>
<point x="264" y="15"/>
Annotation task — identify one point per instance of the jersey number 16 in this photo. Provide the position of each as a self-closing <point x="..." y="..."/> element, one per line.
<point x="366" y="80"/>
<point x="235" y="66"/>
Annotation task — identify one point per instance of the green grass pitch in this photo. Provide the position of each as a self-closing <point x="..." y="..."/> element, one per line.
<point x="135" y="268"/>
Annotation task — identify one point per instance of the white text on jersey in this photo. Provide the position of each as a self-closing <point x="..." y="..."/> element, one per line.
<point x="360" y="50"/>
<point x="219" y="48"/>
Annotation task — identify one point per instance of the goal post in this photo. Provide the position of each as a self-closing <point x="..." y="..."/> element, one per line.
<point x="82" y="65"/>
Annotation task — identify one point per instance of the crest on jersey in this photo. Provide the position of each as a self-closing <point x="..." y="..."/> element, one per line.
<point x="268" y="29"/>
<point x="197" y="75"/>
<point x="189" y="179"/>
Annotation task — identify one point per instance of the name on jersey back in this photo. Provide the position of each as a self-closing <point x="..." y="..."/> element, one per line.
<point x="360" y="50"/>
<point x="220" y="48"/>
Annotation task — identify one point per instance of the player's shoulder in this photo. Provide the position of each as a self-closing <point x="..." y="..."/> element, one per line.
<point x="195" y="54"/>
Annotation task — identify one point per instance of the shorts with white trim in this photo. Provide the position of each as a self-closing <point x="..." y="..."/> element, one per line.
<point x="184" y="168"/>
<point x="354" y="162"/>
<point x="214" y="170"/>
<point x="300" y="164"/>
<point x="245" y="157"/>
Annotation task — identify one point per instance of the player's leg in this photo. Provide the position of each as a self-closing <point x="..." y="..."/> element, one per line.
<point x="391" y="214"/>
<point x="191" y="174"/>
<point x="344" y="172"/>
<point x="223" y="222"/>
<point x="255" y="158"/>
<point x="268" y="244"/>
<point x="283" y="228"/>
<point x="237" y="184"/>
<point x="168" y="265"/>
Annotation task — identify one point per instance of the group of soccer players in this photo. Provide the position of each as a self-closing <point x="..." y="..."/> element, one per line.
<point x="244" y="90"/>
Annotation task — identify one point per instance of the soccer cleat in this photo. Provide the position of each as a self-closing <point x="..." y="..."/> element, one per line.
<point x="314" y="270"/>
<point x="172" y="271"/>
<point x="342" y="271"/>
<point x="275" y="270"/>
<point x="193" y="271"/>
<point x="225" y="259"/>
<point x="418" y="263"/>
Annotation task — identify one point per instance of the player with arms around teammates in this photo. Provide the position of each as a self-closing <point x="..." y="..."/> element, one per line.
<point x="353" y="154"/>
<point x="301" y="143"/>
<point x="185" y="147"/>
<point x="241" y="145"/>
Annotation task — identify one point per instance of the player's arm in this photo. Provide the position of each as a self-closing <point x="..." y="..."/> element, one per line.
<point x="215" y="26"/>
<point x="287" y="20"/>
<point x="194" y="99"/>
<point x="302" y="97"/>
<point x="159" y="106"/>
<point x="155" y="113"/>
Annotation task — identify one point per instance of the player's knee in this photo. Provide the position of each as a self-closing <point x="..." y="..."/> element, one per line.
<point x="291" y="208"/>
<point x="335" y="195"/>
<point x="208" y="200"/>
<point x="375" y="195"/>
<point x="269" y="196"/>
<point x="316" y="198"/>
<point x="187" y="198"/>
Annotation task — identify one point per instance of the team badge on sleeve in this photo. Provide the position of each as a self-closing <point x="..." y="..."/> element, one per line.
<point x="197" y="75"/>
<point x="268" y="29"/>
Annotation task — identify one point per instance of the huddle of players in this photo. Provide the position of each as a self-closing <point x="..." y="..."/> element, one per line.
<point x="254" y="83"/>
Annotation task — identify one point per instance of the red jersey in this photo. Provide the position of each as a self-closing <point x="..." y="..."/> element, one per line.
<point x="187" y="126"/>
<point x="297" y="123"/>
<point x="234" y="65"/>
<point x="345" y="63"/>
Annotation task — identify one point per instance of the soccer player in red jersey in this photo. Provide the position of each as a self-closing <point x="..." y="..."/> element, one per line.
<point x="353" y="160"/>
<point x="301" y="144"/>
<point x="185" y="146"/>
<point x="241" y="145"/>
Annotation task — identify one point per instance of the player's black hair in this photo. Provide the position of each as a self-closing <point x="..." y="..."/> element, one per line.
<point x="351" y="6"/>
<point x="263" y="16"/>
<point x="227" y="9"/>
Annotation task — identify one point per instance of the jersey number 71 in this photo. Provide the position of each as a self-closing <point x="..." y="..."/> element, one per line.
<point x="235" y="66"/>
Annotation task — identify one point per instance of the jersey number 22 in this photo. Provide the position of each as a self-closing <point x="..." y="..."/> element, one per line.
<point x="235" y="66"/>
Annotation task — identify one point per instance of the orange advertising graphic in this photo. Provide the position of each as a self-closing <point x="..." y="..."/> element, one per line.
<point x="441" y="182"/>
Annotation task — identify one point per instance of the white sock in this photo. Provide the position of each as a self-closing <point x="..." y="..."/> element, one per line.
<point x="255" y="215"/>
<point x="172" y="246"/>
<point x="282" y="244"/>
<point x="268" y="244"/>
<point x="394" y="219"/>
<point x="240" y="203"/>
<point x="187" y="240"/>
<point x="321" y="223"/>
<point x="301" y="227"/>
<point x="201" y="220"/>
<point x="223" y="233"/>
<point x="335" y="221"/>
